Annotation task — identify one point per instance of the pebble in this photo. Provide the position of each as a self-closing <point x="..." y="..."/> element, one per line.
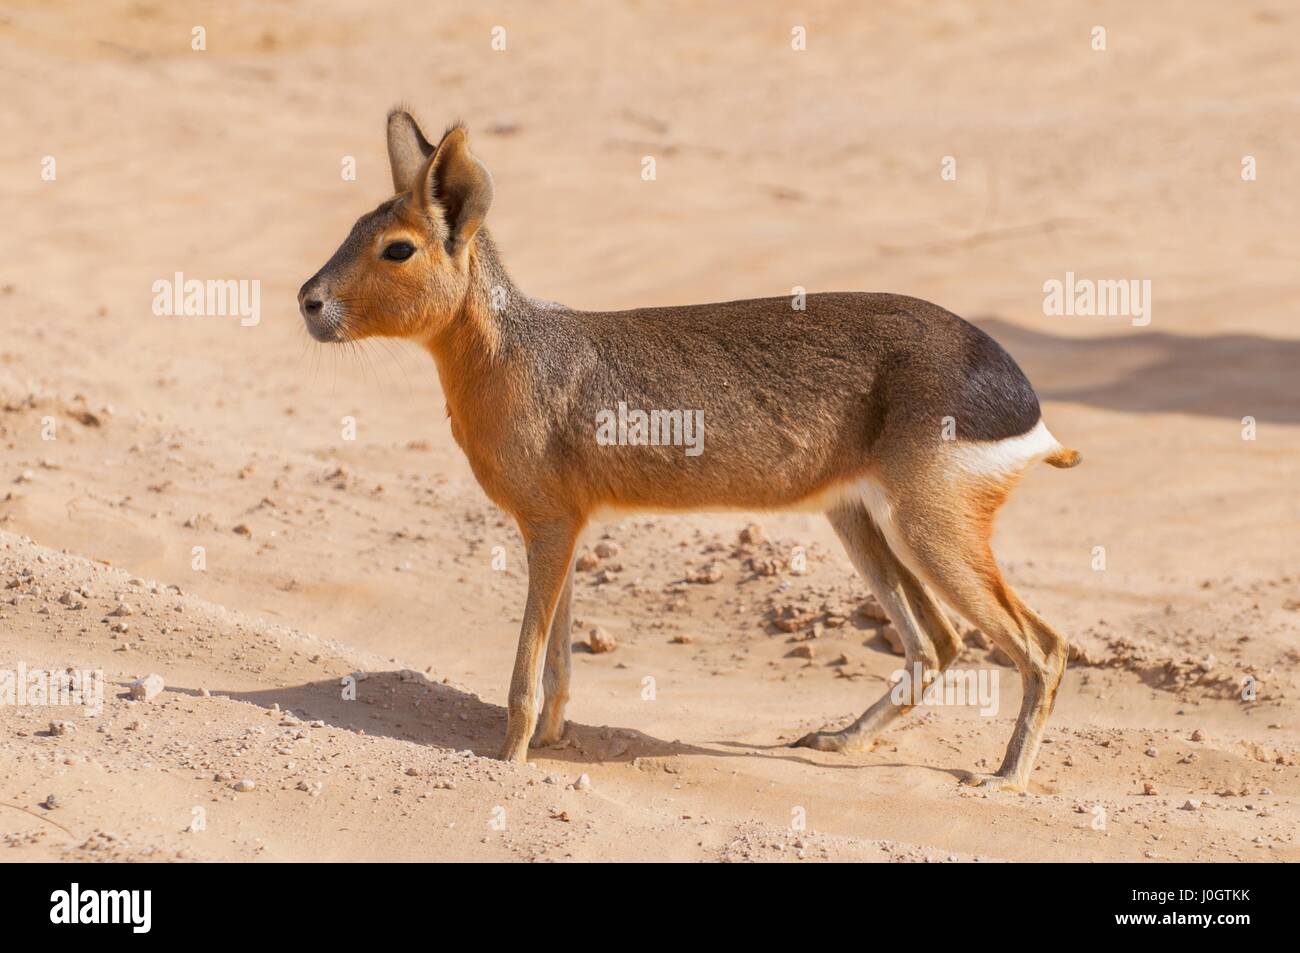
<point x="62" y="727"/>
<point x="583" y="783"/>
<point x="753" y="534"/>
<point x="870" y="608"/>
<point x="1191" y="804"/>
<point x="244" y="784"/>
<point x="146" y="688"/>
<point x="706" y="575"/>
<point x="600" y="641"/>
<point x="890" y="634"/>
<point x="606" y="549"/>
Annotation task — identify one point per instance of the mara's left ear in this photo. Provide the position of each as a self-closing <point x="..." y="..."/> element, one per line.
<point x="457" y="183"/>
<point x="408" y="150"/>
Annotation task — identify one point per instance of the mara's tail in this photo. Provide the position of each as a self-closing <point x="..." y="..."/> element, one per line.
<point x="1064" y="458"/>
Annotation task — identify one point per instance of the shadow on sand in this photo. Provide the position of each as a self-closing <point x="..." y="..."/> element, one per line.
<point x="409" y="707"/>
<point x="1139" y="370"/>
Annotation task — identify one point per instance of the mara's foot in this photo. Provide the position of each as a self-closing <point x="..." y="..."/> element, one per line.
<point x="515" y="750"/>
<point x="842" y="741"/>
<point x="548" y="735"/>
<point x="994" y="782"/>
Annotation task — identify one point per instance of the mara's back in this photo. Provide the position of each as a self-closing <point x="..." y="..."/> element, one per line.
<point x="784" y="395"/>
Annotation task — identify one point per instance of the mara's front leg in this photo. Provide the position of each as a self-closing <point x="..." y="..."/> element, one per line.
<point x="555" y="676"/>
<point x="550" y="553"/>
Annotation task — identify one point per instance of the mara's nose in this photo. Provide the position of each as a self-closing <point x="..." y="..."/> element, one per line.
<point x="310" y="299"/>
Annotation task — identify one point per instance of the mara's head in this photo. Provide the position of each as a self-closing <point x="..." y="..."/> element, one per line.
<point x="403" y="270"/>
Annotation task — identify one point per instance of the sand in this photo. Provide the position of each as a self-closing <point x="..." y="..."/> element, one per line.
<point x="323" y="556"/>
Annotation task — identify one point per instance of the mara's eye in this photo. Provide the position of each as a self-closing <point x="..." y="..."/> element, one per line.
<point x="399" y="251"/>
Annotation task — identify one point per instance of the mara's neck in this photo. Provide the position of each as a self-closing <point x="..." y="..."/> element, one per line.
<point x="481" y="329"/>
<point x="486" y="338"/>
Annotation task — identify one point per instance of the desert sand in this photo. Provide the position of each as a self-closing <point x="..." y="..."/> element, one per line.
<point x="128" y="438"/>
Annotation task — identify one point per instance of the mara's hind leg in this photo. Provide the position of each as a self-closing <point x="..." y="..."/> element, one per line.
<point x="555" y="676"/>
<point x="942" y="534"/>
<point x="928" y="637"/>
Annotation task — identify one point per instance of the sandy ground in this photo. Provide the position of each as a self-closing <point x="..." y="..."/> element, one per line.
<point x="775" y="168"/>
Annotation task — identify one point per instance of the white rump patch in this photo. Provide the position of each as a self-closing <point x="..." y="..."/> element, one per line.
<point x="992" y="457"/>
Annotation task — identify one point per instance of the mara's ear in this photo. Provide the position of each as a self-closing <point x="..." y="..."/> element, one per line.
<point x="459" y="185"/>
<point x="407" y="149"/>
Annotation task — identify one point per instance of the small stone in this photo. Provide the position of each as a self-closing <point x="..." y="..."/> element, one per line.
<point x="753" y="535"/>
<point x="583" y="783"/>
<point x="605" y="549"/>
<point x="122" y="609"/>
<point x="119" y="627"/>
<point x="146" y="688"/>
<point x="1191" y="804"/>
<point x="802" y="650"/>
<point x="586" y="562"/>
<point x="1149" y="789"/>
<point x="872" y="610"/>
<point x="413" y="772"/>
<point x="890" y="634"/>
<point x="244" y="784"/>
<point x="681" y="640"/>
<point x="51" y="802"/>
<point x="600" y="641"/>
<point x="1198" y="735"/>
<point x="791" y="618"/>
<point x="61" y="728"/>
<point x="1152" y="753"/>
<point x="242" y="530"/>
<point x="707" y="574"/>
